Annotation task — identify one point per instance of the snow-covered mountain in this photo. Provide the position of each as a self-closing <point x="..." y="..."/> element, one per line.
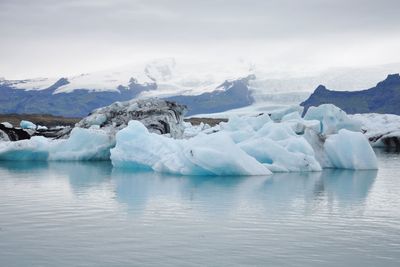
<point x="180" y="80"/>
<point x="171" y="78"/>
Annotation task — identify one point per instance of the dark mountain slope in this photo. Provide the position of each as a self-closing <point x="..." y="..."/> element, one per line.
<point x="75" y="104"/>
<point x="229" y="95"/>
<point x="80" y="102"/>
<point x="383" y="98"/>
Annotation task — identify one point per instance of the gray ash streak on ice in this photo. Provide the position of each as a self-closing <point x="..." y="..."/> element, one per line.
<point x="157" y="115"/>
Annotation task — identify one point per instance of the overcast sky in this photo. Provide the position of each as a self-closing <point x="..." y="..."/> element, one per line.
<point x="56" y="37"/>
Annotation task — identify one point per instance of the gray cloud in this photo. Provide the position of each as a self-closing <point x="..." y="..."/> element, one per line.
<point x="72" y="27"/>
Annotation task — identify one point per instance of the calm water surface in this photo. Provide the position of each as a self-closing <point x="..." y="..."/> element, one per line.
<point x="87" y="214"/>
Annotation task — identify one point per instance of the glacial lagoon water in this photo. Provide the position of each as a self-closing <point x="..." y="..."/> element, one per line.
<point x="89" y="214"/>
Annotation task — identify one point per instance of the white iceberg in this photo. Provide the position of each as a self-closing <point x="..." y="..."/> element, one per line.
<point x="350" y="150"/>
<point x="42" y="128"/>
<point x="83" y="144"/>
<point x="242" y="146"/>
<point x="276" y="145"/>
<point x="214" y="154"/>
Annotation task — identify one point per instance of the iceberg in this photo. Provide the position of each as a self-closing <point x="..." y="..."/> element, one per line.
<point x="83" y="144"/>
<point x="242" y="146"/>
<point x="350" y="150"/>
<point x="214" y="154"/>
<point x="94" y="136"/>
<point x="151" y="135"/>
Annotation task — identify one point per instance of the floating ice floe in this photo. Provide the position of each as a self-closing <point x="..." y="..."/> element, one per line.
<point x="325" y="138"/>
<point x="83" y="144"/>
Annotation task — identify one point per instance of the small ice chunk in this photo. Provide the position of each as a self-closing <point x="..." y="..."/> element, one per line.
<point x="27" y="125"/>
<point x="43" y="128"/>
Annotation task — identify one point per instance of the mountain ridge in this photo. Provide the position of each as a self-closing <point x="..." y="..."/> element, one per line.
<point x="383" y="98"/>
<point x="80" y="102"/>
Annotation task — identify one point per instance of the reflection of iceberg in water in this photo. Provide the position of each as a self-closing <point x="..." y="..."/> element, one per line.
<point x="207" y="196"/>
<point x="131" y="188"/>
<point x="219" y="196"/>
<point x="347" y="185"/>
<point x="150" y="190"/>
<point x="312" y="191"/>
<point x="80" y="175"/>
<point x="84" y="175"/>
<point x="343" y="190"/>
